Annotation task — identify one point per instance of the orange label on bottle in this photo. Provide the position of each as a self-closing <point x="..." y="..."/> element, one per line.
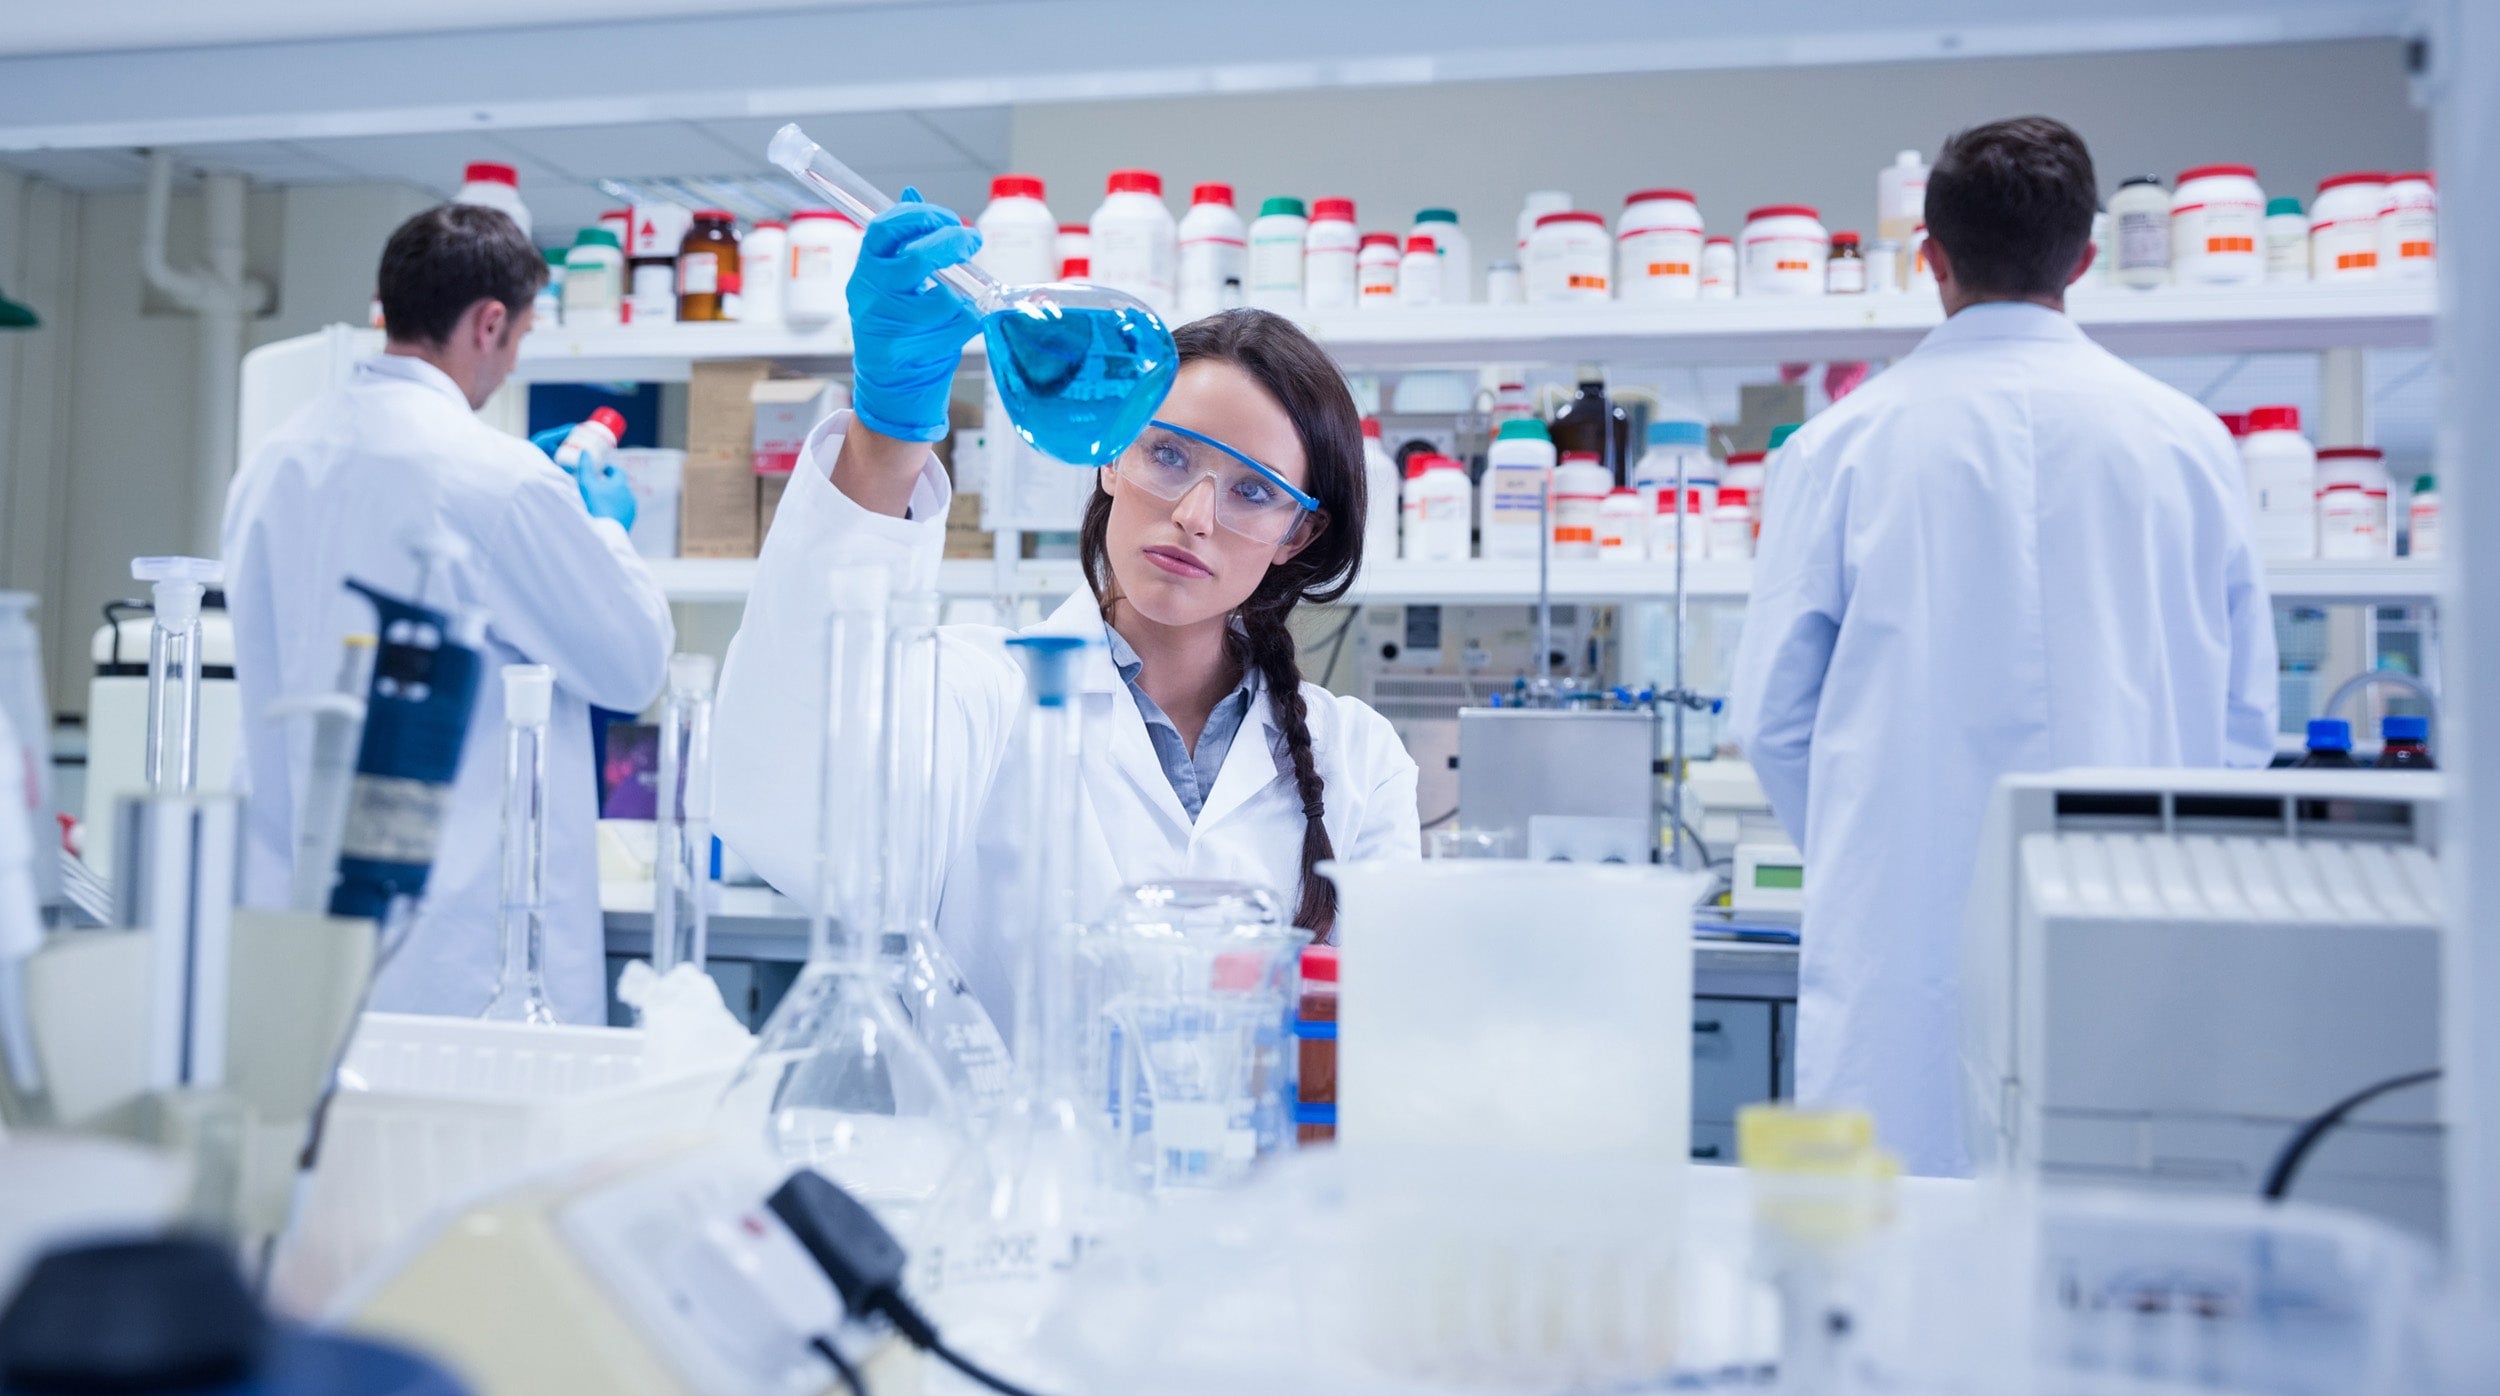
<point x="2348" y="261"/>
<point x="1563" y="534"/>
<point x="1584" y="282"/>
<point x="2414" y="249"/>
<point x="1794" y="266"/>
<point x="2230" y="244"/>
<point x="1671" y="269"/>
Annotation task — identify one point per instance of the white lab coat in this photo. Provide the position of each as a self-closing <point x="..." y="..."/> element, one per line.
<point x="333" y="494"/>
<point x="2011" y="552"/>
<point x="768" y="739"/>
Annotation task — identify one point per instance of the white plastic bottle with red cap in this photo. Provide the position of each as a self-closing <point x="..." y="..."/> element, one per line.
<point x="1420" y="271"/>
<point x="1019" y="238"/>
<point x="1214" y="249"/>
<point x="489" y="185"/>
<point x="1328" y="252"/>
<point x="2362" y="469"/>
<point x="1076" y="244"/>
<point x="1437" y="508"/>
<point x="1581" y="485"/>
<point x="1380" y="496"/>
<point x="592" y="441"/>
<point x="1376" y="270"/>
<point x="2281" y="469"/>
<point x="1136" y="242"/>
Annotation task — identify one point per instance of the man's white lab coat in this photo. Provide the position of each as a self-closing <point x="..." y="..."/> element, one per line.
<point x="336" y="493"/>
<point x="2010" y="552"/>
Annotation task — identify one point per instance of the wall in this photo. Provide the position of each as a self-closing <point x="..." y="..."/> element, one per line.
<point x="1736" y="139"/>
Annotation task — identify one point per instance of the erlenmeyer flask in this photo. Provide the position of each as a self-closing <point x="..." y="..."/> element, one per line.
<point x="1081" y="367"/>
<point x="934" y="998"/>
<point x="1043" y="1186"/>
<point x="838" y="1080"/>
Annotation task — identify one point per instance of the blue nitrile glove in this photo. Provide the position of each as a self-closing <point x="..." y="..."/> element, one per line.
<point x="605" y="491"/>
<point x="908" y="332"/>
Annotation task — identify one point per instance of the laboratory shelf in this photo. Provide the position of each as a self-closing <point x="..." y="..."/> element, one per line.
<point x="1817" y="329"/>
<point x="1478" y="582"/>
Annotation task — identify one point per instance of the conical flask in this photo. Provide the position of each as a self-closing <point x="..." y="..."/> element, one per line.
<point x="1081" y="367"/>
<point x="839" y="1080"/>
<point x="1043" y="1186"/>
<point x="927" y="986"/>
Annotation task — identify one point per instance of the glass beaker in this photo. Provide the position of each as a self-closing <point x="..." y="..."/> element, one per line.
<point x="1081" y="367"/>
<point x="521" y="987"/>
<point x="838" y="1080"/>
<point x="1191" y="987"/>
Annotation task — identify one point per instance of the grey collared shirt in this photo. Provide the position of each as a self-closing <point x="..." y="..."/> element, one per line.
<point x="1192" y="773"/>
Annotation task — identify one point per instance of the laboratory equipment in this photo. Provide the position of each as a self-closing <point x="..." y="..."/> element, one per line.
<point x="174" y="660"/>
<point x="26" y="761"/>
<point x="1081" y="367"/>
<point x="521" y="987"/>
<point x="21" y="934"/>
<point x="1041" y="1188"/>
<point x="681" y="869"/>
<point x="1769" y="875"/>
<point x="425" y="677"/>
<point x="338" y="719"/>
<point x="931" y="992"/>
<point x="1191" y="992"/>
<point x="1567" y="783"/>
<point x="839" y="1081"/>
<point x="1821" y="1192"/>
<point x="2166" y="973"/>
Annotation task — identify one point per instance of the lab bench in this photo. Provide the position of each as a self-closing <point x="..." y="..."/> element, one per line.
<point x="1744" y="996"/>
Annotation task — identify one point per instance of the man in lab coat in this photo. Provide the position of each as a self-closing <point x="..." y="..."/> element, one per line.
<point x="394" y="454"/>
<point x="2011" y="552"/>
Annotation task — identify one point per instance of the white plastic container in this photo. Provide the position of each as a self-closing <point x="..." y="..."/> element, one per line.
<point x="2139" y="214"/>
<point x="1570" y="259"/>
<point x="2287" y="242"/>
<point x="2348" y="523"/>
<point x="1845" y="273"/>
<point x="1458" y="259"/>
<point x="1785" y="248"/>
<point x="1274" y="281"/>
<point x="651" y="293"/>
<point x="1505" y="283"/>
<point x="2344" y="224"/>
<point x="1747" y="474"/>
<point x="824" y="247"/>
<point x="2366" y="467"/>
<point x="1419" y="271"/>
<point x="1019" y="237"/>
<point x="1436" y="510"/>
<point x="1380" y="492"/>
<point x="1581" y="485"/>
<point x="1620" y="536"/>
<point x="1673" y="530"/>
<point x="1518" y="467"/>
<point x="1675" y="443"/>
<point x="1718" y="269"/>
<point x="2422" y="537"/>
<point x="764" y="267"/>
<point x="1658" y="243"/>
<point x="2408" y="233"/>
<point x="1076" y="244"/>
<point x="490" y="185"/>
<point x="2281" y="469"/>
<point x="1328" y="253"/>
<point x="657" y="230"/>
<point x="1732" y="526"/>
<point x="594" y="281"/>
<point x="1536" y="206"/>
<point x="1901" y="196"/>
<point x="1214" y="249"/>
<point x="1136" y="243"/>
<point x="2217" y="227"/>
<point x="1376" y="270"/>
<point x="547" y="307"/>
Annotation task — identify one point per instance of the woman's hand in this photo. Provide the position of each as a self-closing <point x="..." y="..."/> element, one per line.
<point x="907" y="332"/>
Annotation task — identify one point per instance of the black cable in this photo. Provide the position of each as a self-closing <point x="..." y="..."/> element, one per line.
<point x="975" y="1370"/>
<point x="1336" y="645"/>
<point x="1439" y="820"/>
<point x="841" y="1366"/>
<point x="2287" y="1164"/>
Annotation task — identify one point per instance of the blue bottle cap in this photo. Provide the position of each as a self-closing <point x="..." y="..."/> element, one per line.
<point x="1049" y="666"/>
<point x="1669" y="432"/>
<point x="2405" y="729"/>
<point x="2330" y="734"/>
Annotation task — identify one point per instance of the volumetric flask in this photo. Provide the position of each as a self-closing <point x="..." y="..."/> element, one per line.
<point x="1080" y="367"/>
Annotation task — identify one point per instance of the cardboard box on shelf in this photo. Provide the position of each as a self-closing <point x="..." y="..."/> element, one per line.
<point x="658" y="478"/>
<point x="786" y="410"/>
<point x="716" y="514"/>
<point x="964" y="534"/>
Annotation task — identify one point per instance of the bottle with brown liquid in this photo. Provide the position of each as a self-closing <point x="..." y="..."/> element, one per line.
<point x="707" y="268"/>
<point x="1589" y="423"/>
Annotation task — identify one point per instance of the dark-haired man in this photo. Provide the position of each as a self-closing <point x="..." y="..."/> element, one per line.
<point x="341" y="490"/>
<point x="2010" y="552"/>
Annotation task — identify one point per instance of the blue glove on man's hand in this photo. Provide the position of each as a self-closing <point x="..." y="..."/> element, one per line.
<point x="908" y="332"/>
<point x="605" y="491"/>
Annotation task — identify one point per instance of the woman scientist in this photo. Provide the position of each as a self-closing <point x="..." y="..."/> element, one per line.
<point x="1242" y="500"/>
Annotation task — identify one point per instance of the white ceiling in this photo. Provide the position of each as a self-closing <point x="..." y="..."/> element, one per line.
<point x="103" y="26"/>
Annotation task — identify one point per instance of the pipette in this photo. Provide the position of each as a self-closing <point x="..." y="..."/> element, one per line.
<point x="1081" y="367"/>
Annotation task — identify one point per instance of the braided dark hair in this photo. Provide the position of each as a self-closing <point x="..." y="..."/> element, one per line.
<point x="1307" y="382"/>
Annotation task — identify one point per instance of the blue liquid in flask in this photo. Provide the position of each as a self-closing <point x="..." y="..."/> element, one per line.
<point x="1079" y="382"/>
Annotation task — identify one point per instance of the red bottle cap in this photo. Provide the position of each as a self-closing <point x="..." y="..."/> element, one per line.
<point x="1135" y="182"/>
<point x="1076" y="268"/>
<point x="1420" y="243"/>
<point x="1643" y="196"/>
<point x="612" y="419"/>
<point x="2273" y="419"/>
<point x="1211" y="194"/>
<point x="1784" y="211"/>
<point x="1371" y="428"/>
<point x="1319" y="963"/>
<point x="1333" y="211"/>
<point x="488" y="172"/>
<point x="1015" y="186"/>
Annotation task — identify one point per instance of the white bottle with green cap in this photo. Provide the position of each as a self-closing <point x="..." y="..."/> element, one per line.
<point x="1458" y="264"/>
<point x="1274" y="281"/>
<point x="1510" y="507"/>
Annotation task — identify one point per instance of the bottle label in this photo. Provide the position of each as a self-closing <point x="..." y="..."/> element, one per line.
<point x="1845" y="276"/>
<point x="2143" y="239"/>
<point x="698" y="274"/>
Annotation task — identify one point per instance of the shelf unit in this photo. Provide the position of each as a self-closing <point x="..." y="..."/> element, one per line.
<point x="2260" y="319"/>
<point x="726" y="580"/>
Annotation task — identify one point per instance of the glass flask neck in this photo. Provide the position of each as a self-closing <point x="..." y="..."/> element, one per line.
<point x="819" y="170"/>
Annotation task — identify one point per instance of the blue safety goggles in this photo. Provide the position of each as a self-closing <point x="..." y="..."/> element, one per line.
<point x="1252" y="500"/>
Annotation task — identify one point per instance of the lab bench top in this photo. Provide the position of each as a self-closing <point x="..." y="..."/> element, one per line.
<point x="758" y="923"/>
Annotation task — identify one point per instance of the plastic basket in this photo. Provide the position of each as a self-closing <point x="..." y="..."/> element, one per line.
<point x="431" y="1110"/>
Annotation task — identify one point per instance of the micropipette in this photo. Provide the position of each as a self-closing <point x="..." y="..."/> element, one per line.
<point x="1081" y="367"/>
